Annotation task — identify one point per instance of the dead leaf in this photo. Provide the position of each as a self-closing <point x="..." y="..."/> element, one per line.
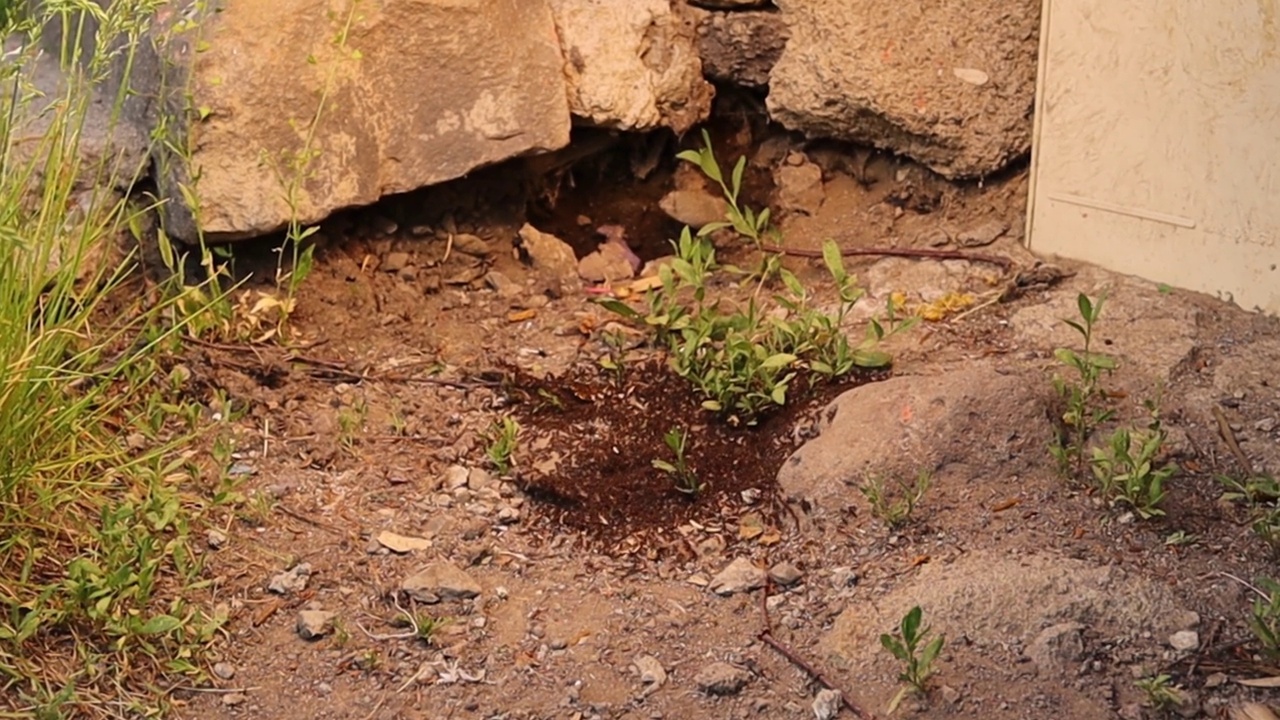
<point x="645" y="284"/>
<point x="771" y="538"/>
<point x="919" y="560"/>
<point x="266" y="612"/>
<point x="402" y="543"/>
<point x="1253" y="711"/>
<point x="522" y="315"/>
<point x="1266" y="682"/>
<point x="751" y="526"/>
<point x="1006" y="504"/>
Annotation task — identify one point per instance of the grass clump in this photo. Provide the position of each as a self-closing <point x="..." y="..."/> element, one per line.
<point x="895" y="505"/>
<point x="97" y="419"/>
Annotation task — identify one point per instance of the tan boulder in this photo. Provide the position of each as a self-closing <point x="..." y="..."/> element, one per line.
<point x="631" y="65"/>
<point x="421" y="92"/>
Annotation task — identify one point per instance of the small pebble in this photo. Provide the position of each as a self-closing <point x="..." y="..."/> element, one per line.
<point x="224" y="670"/>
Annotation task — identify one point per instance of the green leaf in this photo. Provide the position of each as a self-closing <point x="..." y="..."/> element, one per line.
<point x="737" y="175"/>
<point x="931" y="651"/>
<point x="762" y="221"/>
<point x="779" y="395"/>
<point x="709" y="228"/>
<point x="1086" y="307"/>
<point x="160" y="624"/>
<point x="712" y="405"/>
<point x="690" y="156"/>
<point x="664" y="466"/>
<point x="897" y="699"/>
<point x="618" y="307"/>
<point x="834" y="261"/>
<point x="871" y="358"/>
<point x="777" y="360"/>
<point x="911" y="623"/>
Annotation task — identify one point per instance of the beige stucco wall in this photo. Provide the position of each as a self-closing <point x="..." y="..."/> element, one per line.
<point x="1157" y="149"/>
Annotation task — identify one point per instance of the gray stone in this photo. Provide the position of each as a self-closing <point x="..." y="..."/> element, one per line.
<point x="471" y="245"/>
<point x="1057" y="648"/>
<point x="651" y="671"/>
<point x="553" y="260"/>
<point x="827" y="704"/>
<point x="314" y="624"/>
<point x="216" y="538"/>
<point x="224" y="670"/>
<point x="440" y="581"/>
<point x="1184" y="640"/>
<point x="784" y="574"/>
<point x="984" y="234"/>
<point x="799" y="186"/>
<point x="503" y="285"/>
<point x="853" y="71"/>
<point x="234" y="699"/>
<point x="631" y="65"/>
<point x="394" y="262"/>
<point x="455" y="476"/>
<point x="411" y="111"/>
<point x="292" y="580"/>
<point x="720" y="678"/>
<point x="741" y="47"/>
<point x="608" y="264"/>
<point x="741" y="575"/>
<point x="694" y="207"/>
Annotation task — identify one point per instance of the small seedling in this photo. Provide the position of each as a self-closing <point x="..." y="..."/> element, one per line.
<point x="904" y="646"/>
<point x="615" y="359"/>
<point x="686" y="480"/>
<point x="896" y="512"/>
<point x="1181" y="537"/>
<point x="1264" y="621"/>
<point x="1261" y="494"/>
<point x="424" y="626"/>
<point x="1082" y="394"/>
<point x="745" y="221"/>
<point x="502" y="439"/>
<point x="1162" y="694"/>
<point x="1126" y="470"/>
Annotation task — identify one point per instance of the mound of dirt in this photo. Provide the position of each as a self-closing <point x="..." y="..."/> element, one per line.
<point x="972" y="421"/>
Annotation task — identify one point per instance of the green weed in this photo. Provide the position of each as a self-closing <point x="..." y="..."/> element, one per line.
<point x="1161" y="693"/>
<point x="1261" y="495"/>
<point x="1082" y="393"/>
<point x="1127" y="470"/>
<point x="1264" y="621"/>
<point x="686" y="480"/>
<point x="896" y="511"/>
<point x="97" y="479"/>
<point x="502" y="439"/>
<point x="745" y="221"/>
<point x="906" y="646"/>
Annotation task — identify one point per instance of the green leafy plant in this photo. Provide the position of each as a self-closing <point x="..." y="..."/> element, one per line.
<point x="1264" y="621"/>
<point x="743" y="361"/>
<point x="1161" y="693"/>
<point x="615" y="358"/>
<point x="1082" y="394"/>
<point x="1127" y="469"/>
<point x="909" y="647"/>
<point x="503" y="437"/>
<point x="1261" y="495"/>
<point x="745" y="221"/>
<point x="686" y="480"/>
<point x="896" y="512"/>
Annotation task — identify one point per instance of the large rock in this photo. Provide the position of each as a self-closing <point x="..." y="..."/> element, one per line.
<point x="741" y="47"/>
<point x="425" y="91"/>
<point x="950" y="84"/>
<point x="968" y="422"/>
<point x="631" y="65"/>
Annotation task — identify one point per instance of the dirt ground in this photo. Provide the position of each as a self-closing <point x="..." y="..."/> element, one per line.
<point x="589" y="594"/>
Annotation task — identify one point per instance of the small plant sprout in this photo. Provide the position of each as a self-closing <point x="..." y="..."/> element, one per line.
<point x="686" y="480"/>
<point x="1127" y="472"/>
<point x="615" y="358"/>
<point x="909" y="647"/>
<point x="896" y="512"/>
<point x="1264" y="621"/>
<point x="1081" y="394"/>
<point x="424" y="626"/>
<point x="1261" y="495"/>
<point x="502" y="438"/>
<point x="1161" y="693"/>
<point x="744" y="221"/>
